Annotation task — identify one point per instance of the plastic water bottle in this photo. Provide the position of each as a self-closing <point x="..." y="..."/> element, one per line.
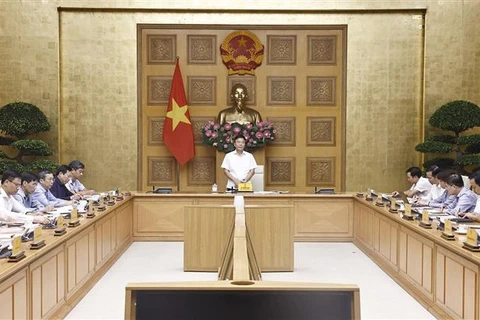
<point x="214" y="187"/>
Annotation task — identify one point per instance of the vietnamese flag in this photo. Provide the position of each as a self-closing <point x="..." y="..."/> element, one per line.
<point x="177" y="129"/>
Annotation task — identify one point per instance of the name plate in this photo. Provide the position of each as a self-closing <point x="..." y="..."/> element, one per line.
<point x="472" y="237"/>
<point x="408" y="209"/>
<point x="425" y="222"/>
<point x="37" y="234"/>
<point x="245" y="187"/>
<point x="74" y="215"/>
<point x="38" y="242"/>
<point x="16" y="245"/>
<point x="448" y="226"/>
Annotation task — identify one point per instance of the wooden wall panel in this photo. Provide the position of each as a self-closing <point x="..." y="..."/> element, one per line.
<point x="302" y="74"/>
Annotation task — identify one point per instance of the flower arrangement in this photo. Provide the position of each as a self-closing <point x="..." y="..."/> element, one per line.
<point x="222" y="136"/>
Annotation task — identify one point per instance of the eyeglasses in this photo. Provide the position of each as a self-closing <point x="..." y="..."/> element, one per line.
<point x="16" y="184"/>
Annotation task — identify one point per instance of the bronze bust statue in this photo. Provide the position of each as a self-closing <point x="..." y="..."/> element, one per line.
<point x="239" y="112"/>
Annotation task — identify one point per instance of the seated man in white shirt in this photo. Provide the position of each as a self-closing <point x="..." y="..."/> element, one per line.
<point x="420" y="186"/>
<point x="436" y="190"/>
<point x="74" y="185"/>
<point x="238" y="165"/>
<point x="10" y="209"/>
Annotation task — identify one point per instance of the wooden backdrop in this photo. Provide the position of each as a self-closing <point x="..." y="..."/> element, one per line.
<point x="300" y="87"/>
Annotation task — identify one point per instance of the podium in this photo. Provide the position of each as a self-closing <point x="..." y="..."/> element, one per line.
<point x="207" y="227"/>
<point x="221" y="179"/>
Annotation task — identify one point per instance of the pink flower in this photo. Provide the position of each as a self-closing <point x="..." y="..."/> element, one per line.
<point x="225" y="134"/>
<point x="216" y="126"/>
<point x="236" y="129"/>
<point x="249" y="126"/>
<point x="259" y="135"/>
<point x="267" y="134"/>
<point x="208" y="133"/>
<point x="225" y="146"/>
<point x="214" y="134"/>
<point x="227" y="126"/>
<point x="259" y="124"/>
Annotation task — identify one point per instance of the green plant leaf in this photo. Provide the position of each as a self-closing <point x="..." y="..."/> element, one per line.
<point x="3" y="155"/>
<point x="32" y="147"/>
<point x="42" y="164"/>
<point x="442" y="138"/>
<point x="456" y="116"/>
<point x="468" y="159"/>
<point x="10" y="165"/>
<point x="434" y="147"/>
<point x="20" y="119"/>
<point x="471" y="139"/>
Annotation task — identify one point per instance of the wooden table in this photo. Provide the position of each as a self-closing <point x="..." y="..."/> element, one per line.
<point x="438" y="273"/>
<point x="207" y="227"/>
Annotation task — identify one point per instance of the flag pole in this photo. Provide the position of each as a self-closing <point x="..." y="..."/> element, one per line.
<point x="176" y="161"/>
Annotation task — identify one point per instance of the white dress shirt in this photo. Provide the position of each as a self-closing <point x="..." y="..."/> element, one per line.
<point x="239" y="165"/>
<point x="11" y="209"/>
<point x="423" y="186"/>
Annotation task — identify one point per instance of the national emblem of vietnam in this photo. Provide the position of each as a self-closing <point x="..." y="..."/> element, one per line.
<point x="242" y="52"/>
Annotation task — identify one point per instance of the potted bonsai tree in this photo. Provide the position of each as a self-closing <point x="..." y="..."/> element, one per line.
<point x="456" y="117"/>
<point x="18" y="120"/>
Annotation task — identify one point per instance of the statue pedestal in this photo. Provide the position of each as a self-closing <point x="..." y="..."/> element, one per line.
<point x="221" y="179"/>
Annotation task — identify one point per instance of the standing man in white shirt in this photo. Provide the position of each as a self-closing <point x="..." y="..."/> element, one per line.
<point x="420" y="186"/>
<point x="238" y="165"/>
<point x="11" y="209"/>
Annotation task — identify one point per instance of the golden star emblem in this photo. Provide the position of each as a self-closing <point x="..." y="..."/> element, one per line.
<point x="242" y="42"/>
<point x="177" y="114"/>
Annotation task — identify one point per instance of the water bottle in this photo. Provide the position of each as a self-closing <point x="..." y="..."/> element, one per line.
<point x="214" y="187"/>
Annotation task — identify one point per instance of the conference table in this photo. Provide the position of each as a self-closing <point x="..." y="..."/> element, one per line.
<point x="48" y="283"/>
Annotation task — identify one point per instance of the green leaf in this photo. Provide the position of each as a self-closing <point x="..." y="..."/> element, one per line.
<point x="471" y="139"/>
<point x="3" y="155"/>
<point x="10" y="165"/>
<point x="32" y="147"/>
<point x="42" y="164"/>
<point x="434" y="147"/>
<point x="468" y="159"/>
<point x="20" y="119"/>
<point x="442" y="138"/>
<point x="456" y="116"/>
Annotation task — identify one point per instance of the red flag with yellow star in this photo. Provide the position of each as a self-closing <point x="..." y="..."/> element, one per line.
<point x="177" y="129"/>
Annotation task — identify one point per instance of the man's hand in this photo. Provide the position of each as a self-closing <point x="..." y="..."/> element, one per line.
<point x="40" y="219"/>
<point x="76" y="196"/>
<point x="395" y="194"/>
<point x="472" y="215"/>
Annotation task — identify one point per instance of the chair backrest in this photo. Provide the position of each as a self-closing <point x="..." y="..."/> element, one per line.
<point x="258" y="179"/>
